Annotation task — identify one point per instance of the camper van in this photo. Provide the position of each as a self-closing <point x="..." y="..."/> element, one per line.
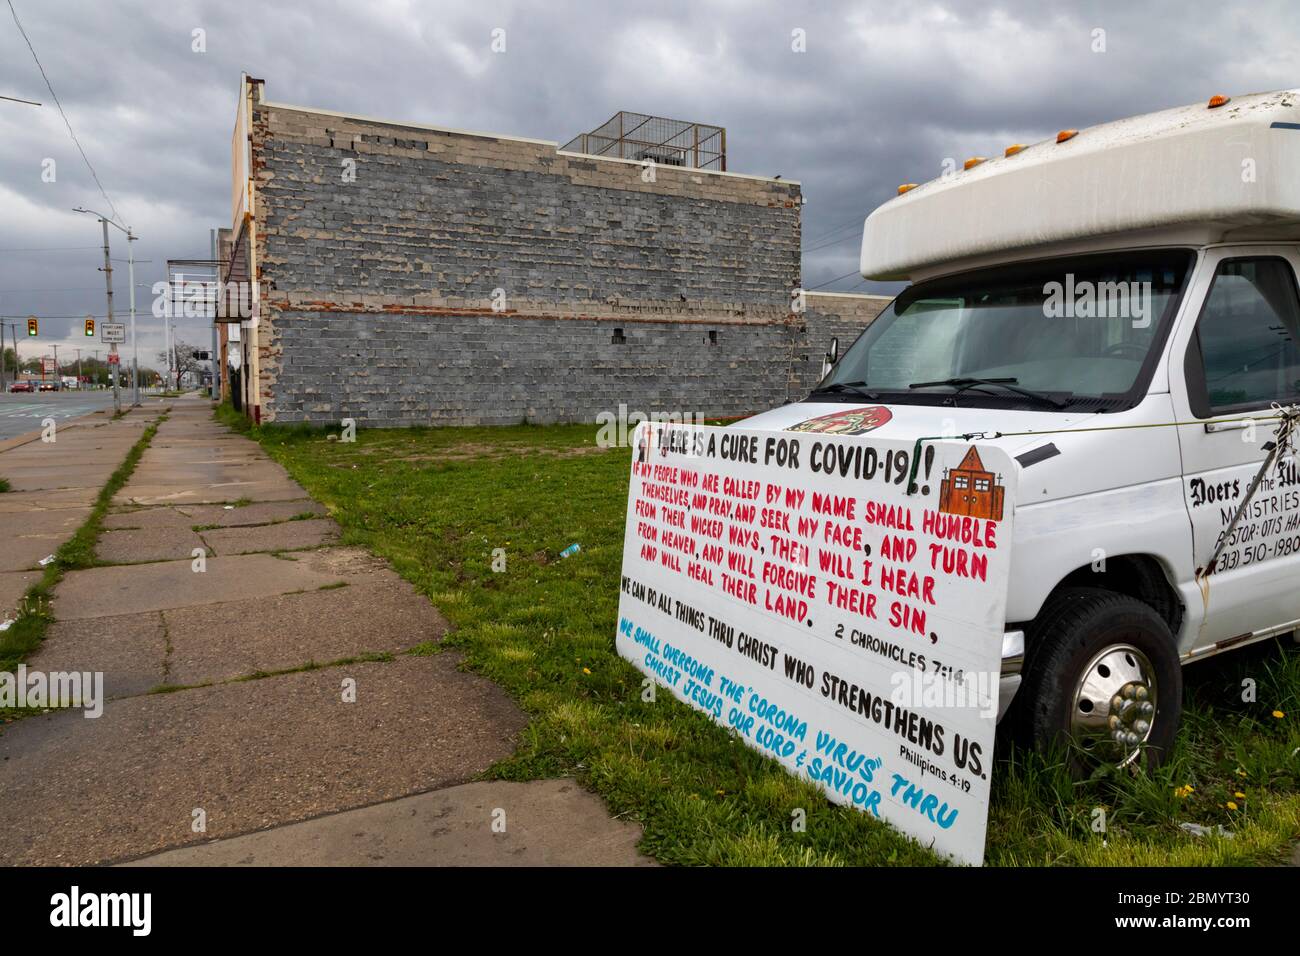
<point x="1117" y="308"/>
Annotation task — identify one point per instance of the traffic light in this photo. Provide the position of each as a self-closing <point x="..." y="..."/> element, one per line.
<point x="90" y="328"/>
<point x="31" y="326"/>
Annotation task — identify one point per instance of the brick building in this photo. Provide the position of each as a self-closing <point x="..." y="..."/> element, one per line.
<point x="415" y="275"/>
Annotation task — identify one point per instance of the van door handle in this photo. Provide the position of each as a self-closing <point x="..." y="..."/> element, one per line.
<point x="1240" y="425"/>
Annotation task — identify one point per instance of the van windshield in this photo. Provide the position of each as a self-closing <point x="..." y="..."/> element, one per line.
<point x="1049" y="334"/>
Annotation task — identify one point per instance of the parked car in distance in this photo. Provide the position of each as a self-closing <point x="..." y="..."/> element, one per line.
<point x="22" y="387"/>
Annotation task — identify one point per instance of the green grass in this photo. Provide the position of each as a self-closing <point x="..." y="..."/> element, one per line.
<point x="4" y="485"/>
<point x="436" y="502"/>
<point x="28" y="630"/>
<point x="238" y="421"/>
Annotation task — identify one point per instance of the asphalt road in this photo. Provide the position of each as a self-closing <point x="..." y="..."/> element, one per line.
<point x="23" y="412"/>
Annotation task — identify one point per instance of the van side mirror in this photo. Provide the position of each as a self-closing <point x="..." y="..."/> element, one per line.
<point x="832" y="354"/>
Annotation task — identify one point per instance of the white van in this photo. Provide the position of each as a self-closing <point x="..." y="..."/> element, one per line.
<point x="1117" y="308"/>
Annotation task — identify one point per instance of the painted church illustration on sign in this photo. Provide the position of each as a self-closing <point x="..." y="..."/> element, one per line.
<point x="969" y="489"/>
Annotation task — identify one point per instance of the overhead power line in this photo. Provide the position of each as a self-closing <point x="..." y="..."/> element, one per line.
<point x="56" y="249"/>
<point x="813" y="288"/>
<point x="847" y="227"/>
<point x="832" y="242"/>
<point x="93" y="175"/>
<point x="79" y="315"/>
<point x="854" y="223"/>
<point x="84" y="288"/>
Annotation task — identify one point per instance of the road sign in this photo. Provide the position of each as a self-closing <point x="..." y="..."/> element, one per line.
<point x="113" y="332"/>
<point x="114" y="358"/>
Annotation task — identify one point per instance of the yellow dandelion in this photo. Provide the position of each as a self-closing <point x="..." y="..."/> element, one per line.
<point x="1230" y="805"/>
<point x="1239" y="795"/>
<point x="586" y="670"/>
<point x="1186" y="790"/>
<point x="1279" y="714"/>
<point x="1241" y="773"/>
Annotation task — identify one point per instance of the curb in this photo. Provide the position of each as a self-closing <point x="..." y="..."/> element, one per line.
<point x="28" y="437"/>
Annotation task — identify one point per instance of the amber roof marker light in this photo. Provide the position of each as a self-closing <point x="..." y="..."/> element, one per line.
<point x="1013" y="149"/>
<point x="1065" y="134"/>
<point x="973" y="161"/>
<point x="1217" y="100"/>
<point x="906" y="188"/>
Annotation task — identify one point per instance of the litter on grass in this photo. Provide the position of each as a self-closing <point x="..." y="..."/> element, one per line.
<point x="1195" y="829"/>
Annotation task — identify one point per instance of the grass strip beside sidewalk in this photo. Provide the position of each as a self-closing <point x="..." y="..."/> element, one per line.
<point x="28" y="630"/>
<point x="438" y="502"/>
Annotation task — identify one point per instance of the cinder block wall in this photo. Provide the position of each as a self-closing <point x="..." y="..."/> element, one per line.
<point x="834" y="315"/>
<point x="391" y="368"/>
<point x="421" y="276"/>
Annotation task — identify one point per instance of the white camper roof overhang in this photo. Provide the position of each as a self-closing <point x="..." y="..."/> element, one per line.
<point x="1191" y="175"/>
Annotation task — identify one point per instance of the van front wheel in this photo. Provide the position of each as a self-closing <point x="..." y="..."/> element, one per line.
<point x="1102" y="673"/>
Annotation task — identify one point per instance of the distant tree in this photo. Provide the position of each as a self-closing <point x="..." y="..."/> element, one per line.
<point x="184" y="360"/>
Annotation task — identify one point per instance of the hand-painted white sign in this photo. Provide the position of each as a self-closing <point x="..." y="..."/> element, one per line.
<point x="788" y="585"/>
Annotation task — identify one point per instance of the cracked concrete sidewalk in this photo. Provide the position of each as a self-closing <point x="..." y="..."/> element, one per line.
<point x="53" y="487"/>
<point x="287" y="693"/>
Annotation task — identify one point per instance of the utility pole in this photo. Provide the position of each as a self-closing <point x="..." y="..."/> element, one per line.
<point x="78" y="368"/>
<point x="58" y="377"/>
<point x="2" y="356"/>
<point x="108" y="282"/>
<point x="214" y="354"/>
<point x="135" y="349"/>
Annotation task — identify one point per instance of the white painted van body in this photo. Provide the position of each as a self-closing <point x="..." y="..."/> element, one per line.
<point x="1221" y="184"/>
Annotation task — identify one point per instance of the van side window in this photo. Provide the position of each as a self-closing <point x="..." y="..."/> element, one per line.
<point x="1249" y="337"/>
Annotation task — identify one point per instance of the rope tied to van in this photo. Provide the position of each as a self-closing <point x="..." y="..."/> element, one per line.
<point x="1280" y="449"/>
<point x="1287" y="416"/>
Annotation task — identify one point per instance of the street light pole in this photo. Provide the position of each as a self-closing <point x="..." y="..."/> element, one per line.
<point x="108" y="281"/>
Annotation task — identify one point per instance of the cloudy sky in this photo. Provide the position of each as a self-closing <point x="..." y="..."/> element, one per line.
<point x="883" y="93"/>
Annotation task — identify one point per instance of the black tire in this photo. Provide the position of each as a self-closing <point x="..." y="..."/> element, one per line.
<point x="1075" y="626"/>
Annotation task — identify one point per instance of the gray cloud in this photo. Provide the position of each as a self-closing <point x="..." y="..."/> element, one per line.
<point x="885" y="92"/>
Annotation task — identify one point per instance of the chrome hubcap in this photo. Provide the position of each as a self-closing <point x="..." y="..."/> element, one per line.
<point x="1115" y="704"/>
